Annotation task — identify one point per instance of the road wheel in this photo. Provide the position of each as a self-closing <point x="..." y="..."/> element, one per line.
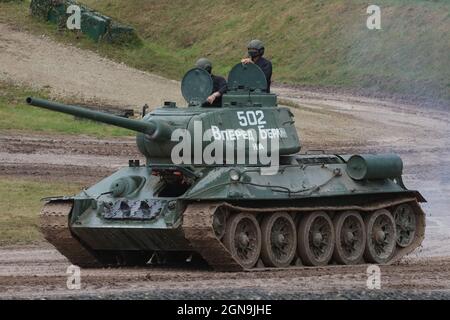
<point x="279" y="240"/>
<point x="381" y="237"/>
<point x="243" y="239"/>
<point x="350" y="237"/>
<point x="316" y="239"/>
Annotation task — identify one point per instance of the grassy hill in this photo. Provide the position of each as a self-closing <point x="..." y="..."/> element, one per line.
<point x="311" y="42"/>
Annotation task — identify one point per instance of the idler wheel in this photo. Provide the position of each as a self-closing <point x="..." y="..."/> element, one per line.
<point x="279" y="240"/>
<point x="350" y="237"/>
<point x="405" y="222"/>
<point x="243" y="239"/>
<point x="316" y="239"/>
<point x="381" y="237"/>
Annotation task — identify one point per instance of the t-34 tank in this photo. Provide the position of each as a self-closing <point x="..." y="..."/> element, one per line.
<point x="236" y="212"/>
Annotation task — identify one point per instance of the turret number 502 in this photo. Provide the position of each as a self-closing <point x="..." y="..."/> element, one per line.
<point x="251" y="118"/>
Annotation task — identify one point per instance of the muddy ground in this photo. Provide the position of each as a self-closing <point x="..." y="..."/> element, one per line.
<point x="41" y="273"/>
<point x="333" y="122"/>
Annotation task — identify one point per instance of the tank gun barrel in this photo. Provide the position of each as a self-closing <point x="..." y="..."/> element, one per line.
<point x="148" y="127"/>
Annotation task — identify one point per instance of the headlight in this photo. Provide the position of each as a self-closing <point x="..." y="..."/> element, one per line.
<point x="234" y="175"/>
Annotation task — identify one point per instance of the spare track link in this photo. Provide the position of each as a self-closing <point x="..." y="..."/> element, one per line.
<point x="198" y="230"/>
<point x="54" y="224"/>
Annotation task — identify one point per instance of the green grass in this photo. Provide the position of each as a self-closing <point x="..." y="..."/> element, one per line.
<point x="15" y="114"/>
<point x="21" y="206"/>
<point x="311" y="42"/>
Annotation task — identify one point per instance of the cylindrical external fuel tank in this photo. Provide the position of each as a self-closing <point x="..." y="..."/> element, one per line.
<point x="370" y="166"/>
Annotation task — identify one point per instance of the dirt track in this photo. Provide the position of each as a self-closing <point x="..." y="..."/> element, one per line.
<point x="41" y="273"/>
<point x="65" y="70"/>
<point x="332" y="122"/>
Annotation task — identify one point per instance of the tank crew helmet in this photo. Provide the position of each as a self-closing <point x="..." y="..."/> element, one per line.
<point x="204" y="63"/>
<point x="255" y="48"/>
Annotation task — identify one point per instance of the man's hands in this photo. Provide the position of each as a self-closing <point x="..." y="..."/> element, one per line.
<point x="247" y="61"/>
<point x="213" y="97"/>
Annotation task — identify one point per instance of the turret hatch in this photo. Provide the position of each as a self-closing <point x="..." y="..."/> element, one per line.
<point x="196" y="86"/>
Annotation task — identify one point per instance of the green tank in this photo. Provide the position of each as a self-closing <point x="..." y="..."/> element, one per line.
<point x="228" y="186"/>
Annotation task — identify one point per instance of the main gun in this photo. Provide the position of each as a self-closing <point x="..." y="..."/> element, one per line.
<point x="152" y="129"/>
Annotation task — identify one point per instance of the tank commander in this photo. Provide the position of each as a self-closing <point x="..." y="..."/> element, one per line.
<point x="219" y="83"/>
<point x="255" y="55"/>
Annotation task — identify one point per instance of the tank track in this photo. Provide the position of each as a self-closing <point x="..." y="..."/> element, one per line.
<point x="54" y="224"/>
<point x="199" y="231"/>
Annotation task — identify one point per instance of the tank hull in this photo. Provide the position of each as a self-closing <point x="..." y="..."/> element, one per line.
<point x="155" y="220"/>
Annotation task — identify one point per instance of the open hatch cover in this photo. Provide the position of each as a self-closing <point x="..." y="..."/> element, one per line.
<point x="196" y="86"/>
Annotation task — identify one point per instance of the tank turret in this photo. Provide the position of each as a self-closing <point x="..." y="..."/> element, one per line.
<point x="248" y="116"/>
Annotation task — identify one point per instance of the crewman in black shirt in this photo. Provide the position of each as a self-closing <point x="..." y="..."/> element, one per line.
<point x="219" y="83"/>
<point x="255" y="55"/>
